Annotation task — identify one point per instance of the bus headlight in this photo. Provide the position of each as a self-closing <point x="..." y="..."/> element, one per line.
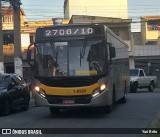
<point x="40" y="91"/>
<point x="102" y="87"/>
<point x="99" y="90"/>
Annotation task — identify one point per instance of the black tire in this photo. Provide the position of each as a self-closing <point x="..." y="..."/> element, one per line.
<point x="151" y="87"/>
<point x="6" y="109"/>
<point x="124" y="98"/>
<point x="109" y="108"/>
<point x="134" y="87"/>
<point x="54" y="110"/>
<point x="106" y="109"/>
<point x="26" y="104"/>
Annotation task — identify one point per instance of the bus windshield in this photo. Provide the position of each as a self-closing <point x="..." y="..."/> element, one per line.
<point x="70" y="58"/>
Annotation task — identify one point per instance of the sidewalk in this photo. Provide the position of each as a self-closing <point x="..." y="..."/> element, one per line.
<point x="32" y="103"/>
<point x="157" y="89"/>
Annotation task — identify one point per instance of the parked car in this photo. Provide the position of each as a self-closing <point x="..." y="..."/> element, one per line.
<point x="138" y="79"/>
<point x="14" y="93"/>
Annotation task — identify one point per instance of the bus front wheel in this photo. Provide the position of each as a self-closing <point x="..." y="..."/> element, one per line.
<point x="107" y="109"/>
<point x="54" y="110"/>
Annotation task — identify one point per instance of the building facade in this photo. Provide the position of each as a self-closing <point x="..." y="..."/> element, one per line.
<point x="28" y="29"/>
<point x="102" y="8"/>
<point x="150" y="30"/>
<point x="122" y="27"/>
<point x="114" y="14"/>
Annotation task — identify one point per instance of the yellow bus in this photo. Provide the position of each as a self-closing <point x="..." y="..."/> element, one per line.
<point x="79" y="65"/>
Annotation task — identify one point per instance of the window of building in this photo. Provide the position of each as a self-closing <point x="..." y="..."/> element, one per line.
<point x="7" y="19"/>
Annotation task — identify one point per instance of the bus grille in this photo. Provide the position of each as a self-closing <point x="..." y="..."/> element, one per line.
<point x="77" y="99"/>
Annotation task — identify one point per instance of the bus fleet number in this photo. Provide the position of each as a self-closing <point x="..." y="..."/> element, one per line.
<point x="62" y="32"/>
<point x="80" y="91"/>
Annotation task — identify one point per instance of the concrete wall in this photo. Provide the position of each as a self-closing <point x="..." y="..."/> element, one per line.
<point x="137" y="38"/>
<point x="147" y="58"/>
<point x="146" y="51"/>
<point x="103" y="8"/>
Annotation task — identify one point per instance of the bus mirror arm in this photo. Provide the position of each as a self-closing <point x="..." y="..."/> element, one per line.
<point x="82" y="51"/>
<point x="29" y="54"/>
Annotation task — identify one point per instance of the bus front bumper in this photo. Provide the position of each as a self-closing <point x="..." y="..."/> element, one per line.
<point x="103" y="99"/>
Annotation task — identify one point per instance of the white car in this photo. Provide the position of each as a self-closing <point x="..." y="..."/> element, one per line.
<point x="138" y="79"/>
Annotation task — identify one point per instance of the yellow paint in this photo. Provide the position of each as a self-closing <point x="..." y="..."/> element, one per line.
<point x="148" y="35"/>
<point x="86" y="72"/>
<point x="69" y="91"/>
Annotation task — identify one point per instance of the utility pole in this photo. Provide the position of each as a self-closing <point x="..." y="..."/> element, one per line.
<point x="18" y="66"/>
<point x="1" y="41"/>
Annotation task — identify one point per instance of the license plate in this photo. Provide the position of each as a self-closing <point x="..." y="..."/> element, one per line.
<point x="68" y="101"/>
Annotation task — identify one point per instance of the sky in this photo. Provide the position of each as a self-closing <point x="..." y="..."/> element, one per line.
<point x="47" y="9"/>
<point x="42" y="9"/>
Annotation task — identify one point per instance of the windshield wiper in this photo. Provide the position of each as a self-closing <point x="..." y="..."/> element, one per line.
<point x="57" y="65"/>
<point x="82" y="51"/>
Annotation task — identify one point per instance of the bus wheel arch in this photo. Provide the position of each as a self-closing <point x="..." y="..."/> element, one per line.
<point x="108" y="108"/>
<point x="124" y="98"/>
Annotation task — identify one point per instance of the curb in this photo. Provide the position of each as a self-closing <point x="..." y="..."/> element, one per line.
<point x="32" y="101"/>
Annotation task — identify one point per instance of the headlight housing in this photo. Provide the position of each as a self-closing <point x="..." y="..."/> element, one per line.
<point x="99" y="90"/>
<point x="40" y="91"/>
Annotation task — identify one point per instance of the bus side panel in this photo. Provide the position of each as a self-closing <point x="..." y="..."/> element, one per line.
<point x="119" y="68"/>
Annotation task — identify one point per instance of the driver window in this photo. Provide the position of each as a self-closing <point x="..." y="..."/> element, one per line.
<point x="47" y="49"/>
<point x="93" y="53"/>
<point x="94" y="58"/>
<point x="141" y="74"/>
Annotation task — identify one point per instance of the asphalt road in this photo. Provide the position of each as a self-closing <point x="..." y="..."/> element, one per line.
<point x="139" y="111"/>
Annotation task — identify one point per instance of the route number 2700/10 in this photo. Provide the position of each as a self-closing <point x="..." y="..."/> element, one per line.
<point x="62" y="32"/>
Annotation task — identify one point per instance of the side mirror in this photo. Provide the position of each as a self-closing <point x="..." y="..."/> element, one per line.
<point x="29" y="55"/>
<point x="112" y="52"/>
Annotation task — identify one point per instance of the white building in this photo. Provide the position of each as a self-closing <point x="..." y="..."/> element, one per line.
<point x="102" y="8"/>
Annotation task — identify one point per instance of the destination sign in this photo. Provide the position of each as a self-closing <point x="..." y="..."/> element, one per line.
<point x="68" y="31"/>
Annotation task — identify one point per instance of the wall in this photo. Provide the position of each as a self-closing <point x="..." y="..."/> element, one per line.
<point x="103" y="8"/>
<point x="25" y="40"/>
<point x="143" y="31"/>
<point x="149" y="33"/>
<point x="152" y="35"/>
